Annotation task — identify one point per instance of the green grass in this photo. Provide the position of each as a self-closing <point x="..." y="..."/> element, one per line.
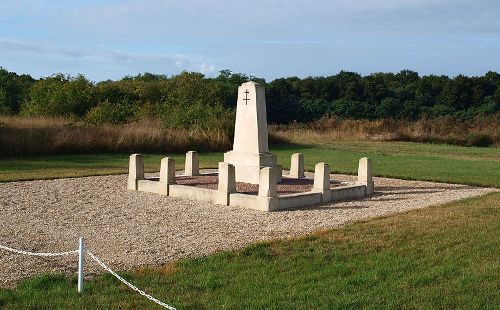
<point x="434" y="162"/>
<point x="62" y="166"/>
<point x="406" y="160"/>
<point x="434" y="258"/>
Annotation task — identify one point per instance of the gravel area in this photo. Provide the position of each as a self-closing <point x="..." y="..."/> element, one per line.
<point x="128" y="229"/>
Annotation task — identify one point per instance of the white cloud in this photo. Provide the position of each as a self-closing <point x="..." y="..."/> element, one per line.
<point x="267" y="38"/>
<point x="87" y="60"/>
<point x="206" y="68"/>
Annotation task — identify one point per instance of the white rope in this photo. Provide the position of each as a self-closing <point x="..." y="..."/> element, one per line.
<point x="37" y="254"/>
<point x="103" y="265"/>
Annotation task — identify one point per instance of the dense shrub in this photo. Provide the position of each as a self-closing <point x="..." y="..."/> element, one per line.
<point x="191" y="100"/>
<point x="13" y="91"/>
<point x="106" y="112"/>
<point x="60" y="95"/>
<point x="480" y="140"/>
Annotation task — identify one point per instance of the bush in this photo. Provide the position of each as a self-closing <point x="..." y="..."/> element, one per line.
<point x="480" y="140"/>
<point x="60" y="95"/>
<point x="106" y="112"/>
<point x="4" y="107"/>
<point x="13" y="90"/>
<point x="192" y="101"/>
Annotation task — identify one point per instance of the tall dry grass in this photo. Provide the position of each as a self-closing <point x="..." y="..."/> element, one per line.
<point x="479" y="132"/>
<point x="21" y="136"/>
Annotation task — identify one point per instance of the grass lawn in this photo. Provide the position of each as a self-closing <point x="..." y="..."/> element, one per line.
<point x="434" y="162"/>
<point x="439" y="257"/>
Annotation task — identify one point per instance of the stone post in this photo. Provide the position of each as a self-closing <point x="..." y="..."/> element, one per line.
<point x="192" y="166"/>
<point x="227" y="183"/>
<point x="267" y="182"/>
<point x="279" y="173"/>
<point x="135" y="171"/>
<point x="297" y="166"/>
<point x="365" y="174"/>
<point x="268" y="194"/>
<point x="167" y="175"/>
<point x="322" y="181"/>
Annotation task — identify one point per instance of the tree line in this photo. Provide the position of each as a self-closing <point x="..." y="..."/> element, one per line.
<point x="190" y="99"/>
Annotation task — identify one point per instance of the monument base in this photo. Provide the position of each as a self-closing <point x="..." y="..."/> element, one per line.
<point x="247" y="165"/>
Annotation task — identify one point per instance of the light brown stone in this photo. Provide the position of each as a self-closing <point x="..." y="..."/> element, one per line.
<point x="297" y="166"/>
<point x="192" y="165"/>
<point x="365" y="174"/>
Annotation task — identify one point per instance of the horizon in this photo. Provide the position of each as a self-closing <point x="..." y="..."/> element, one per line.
<point x="112" y="39"/>
<point x="250" y="76"/>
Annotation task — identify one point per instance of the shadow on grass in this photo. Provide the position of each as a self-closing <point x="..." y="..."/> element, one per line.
<point x="286" y="146"/>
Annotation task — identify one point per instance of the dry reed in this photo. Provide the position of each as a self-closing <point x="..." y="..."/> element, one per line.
<point x="20" y="136"/>
<point x="443" y="130"/>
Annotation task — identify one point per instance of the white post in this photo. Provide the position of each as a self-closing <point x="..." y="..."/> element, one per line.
<point x="267" y="199"/>
<point x="267" y="182"/>
<point x="227" y="183"/>
<point x="297" y="166"/>
<point x="167" y="170"/>
<point x="167" y="175"/>
<point x="322" y="181"/>
<point x="365" y="174"/>
<point x="192" y="165"/>
<point x="135" y="171"/>
<point x="279" y="173"/>
<point x="81" y="261"/>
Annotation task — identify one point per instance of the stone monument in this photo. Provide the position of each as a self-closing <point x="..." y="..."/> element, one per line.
<point x="251" y="162"/>
<point x="250" y="149"/>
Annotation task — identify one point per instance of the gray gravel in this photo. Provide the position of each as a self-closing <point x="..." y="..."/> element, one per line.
<point x="129" y="229"/>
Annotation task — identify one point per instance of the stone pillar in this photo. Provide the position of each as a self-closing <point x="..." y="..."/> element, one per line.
<point x="267" y="182"/>
<point x="227" y="183"/>
<point x="279" y="173"/>
<point x="192" y="166"/>
<point x="250" y="149"/>
<point x="322" y="181"/>
<point x="297" y="166"/>
<point x="167" y="175"/>
<point x="135" y="171"/>
<point x="365" y="174"/>
<point x="268" y="194"/>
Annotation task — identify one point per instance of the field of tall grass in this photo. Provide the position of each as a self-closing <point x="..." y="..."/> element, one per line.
<point x="22" y="136"/>
<point x="447" y="130"/>
<point x="27" y="136"/>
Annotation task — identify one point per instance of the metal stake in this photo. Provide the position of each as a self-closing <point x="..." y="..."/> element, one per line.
<point x="81" y="261"/>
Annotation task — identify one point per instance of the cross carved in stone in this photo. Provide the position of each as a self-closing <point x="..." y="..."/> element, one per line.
<point x="246" y="97"/>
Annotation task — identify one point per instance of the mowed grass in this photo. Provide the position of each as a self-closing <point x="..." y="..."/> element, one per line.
<point x="442" y="257"/>
<point x="64" y="166"/>
<point x="406" y="160"/>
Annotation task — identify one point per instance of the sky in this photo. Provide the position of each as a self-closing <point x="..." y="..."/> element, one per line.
<point x="270" y="39"/>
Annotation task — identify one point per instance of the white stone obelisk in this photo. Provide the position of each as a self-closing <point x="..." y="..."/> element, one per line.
<point x="250" y="149"/>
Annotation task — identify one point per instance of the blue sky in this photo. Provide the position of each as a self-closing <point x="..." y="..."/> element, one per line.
<point x="270" y="39"/>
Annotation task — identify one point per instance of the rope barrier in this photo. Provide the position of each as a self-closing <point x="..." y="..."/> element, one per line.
<point x="103" y="265"/>
<point x="39" y="253"/>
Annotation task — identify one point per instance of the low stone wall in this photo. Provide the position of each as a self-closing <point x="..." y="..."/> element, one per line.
<point x="299" y="200"/>
<point x="266" y="199"/>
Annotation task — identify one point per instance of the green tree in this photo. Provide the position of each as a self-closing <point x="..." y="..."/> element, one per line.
<point x="60" y="95"/>
<point x="13" y="90"/>
<point x="190" y="100"/>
